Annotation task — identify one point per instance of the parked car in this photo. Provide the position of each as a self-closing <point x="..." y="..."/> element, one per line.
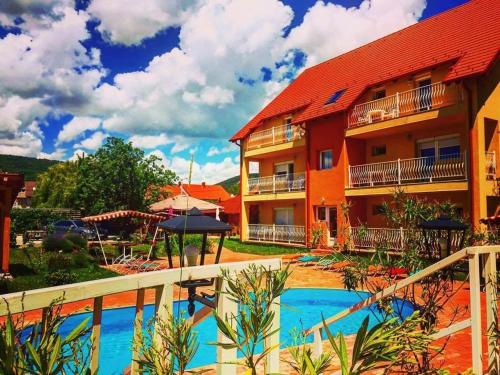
<point x="62" y="227"/>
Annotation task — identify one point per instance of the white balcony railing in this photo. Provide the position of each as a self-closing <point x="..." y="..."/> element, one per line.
<point x="277" y="233"/>
<point x="393" y="238"/>
<point x="162" y="282"/>
<point x="491" y="165"/>
<point x="275" y="135"/>
<point x="277" y="183"/>
<point x="403" y="103"/>
<point x="408" y="171"/>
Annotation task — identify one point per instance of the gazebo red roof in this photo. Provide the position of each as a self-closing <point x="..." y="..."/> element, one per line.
<point x="118" y="214"/>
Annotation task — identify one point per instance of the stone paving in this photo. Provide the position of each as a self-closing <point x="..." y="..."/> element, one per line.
<point x="456" y="356"/>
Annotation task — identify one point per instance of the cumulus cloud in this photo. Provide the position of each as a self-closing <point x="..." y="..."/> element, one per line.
<point x="22" y="144"/>
<point x="137" y="20"/>
<point x="331" y="29"/>
<point x="78" y="154"/>
<point x="57" y="154"/>
<point x="210" y="172"/>
<point x="231" y="147"/>
<point x="93" y="142"/>
<point x="77" y="126"/>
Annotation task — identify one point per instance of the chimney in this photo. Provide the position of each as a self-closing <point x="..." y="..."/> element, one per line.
<point x="203" y="184"/>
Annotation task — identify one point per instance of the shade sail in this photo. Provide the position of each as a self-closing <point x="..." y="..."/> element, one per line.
<point x="183" y="202"/>
<point x="194" y="222"/>
<point x="118" y="214"/>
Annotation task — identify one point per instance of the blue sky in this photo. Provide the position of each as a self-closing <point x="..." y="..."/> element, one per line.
<point x="174" y="77"/>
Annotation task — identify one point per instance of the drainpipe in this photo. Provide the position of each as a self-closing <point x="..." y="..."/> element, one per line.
<point x="308" y="184"/>
<point x="472" y="142"/>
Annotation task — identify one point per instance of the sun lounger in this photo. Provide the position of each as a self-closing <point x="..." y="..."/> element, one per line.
<point x="149" y="266"/>
<point x="308" y="259"/>
<point x="340" y="266"/>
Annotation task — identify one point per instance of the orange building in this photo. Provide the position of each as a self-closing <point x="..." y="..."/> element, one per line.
<point x="416" y="110"/>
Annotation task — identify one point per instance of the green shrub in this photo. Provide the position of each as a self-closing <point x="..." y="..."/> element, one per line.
<point x="23" y="219"/>
<point x="192" y="239"/>
<point x="53" y="243"/>
<point x="81" y="259"/>
<point x="57" y="262"/>
<point x="60" y="277"/>
<point x="77" y="240"/>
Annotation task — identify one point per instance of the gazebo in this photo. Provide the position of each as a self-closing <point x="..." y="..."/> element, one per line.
<point x="194" y="223"/>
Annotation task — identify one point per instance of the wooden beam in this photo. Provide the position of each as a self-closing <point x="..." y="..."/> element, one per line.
<point x="452" y="329"/>
<point x="96" y="335"/>
<point x="164" y="301"/>
<point x="226" y="309"/>
<point x="272" y="362"/>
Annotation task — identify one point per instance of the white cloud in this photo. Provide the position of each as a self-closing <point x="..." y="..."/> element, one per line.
<point x="131" y="23"/>
<point x="57" y="154"/>
<point x="93" y="142"/>
<point x="77" y="126"/>
<point x="17" y="113"/>
<point x="78" y="154"/>
<point x="231" y="147"/>
<point x="22" y="144"/>
<point x="330" y="29"/>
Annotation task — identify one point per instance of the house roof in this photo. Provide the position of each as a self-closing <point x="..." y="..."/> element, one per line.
<point x="232" y="205"/>
<point x="28" y="190"/>
<point x="200" y="191"/>
<point x="467" y="37"/>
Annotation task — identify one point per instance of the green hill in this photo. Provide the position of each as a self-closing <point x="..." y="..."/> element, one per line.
<point x="232" y="185"/>
<point x="30" y="167"/>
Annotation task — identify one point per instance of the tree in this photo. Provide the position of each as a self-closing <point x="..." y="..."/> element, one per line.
<point x="119" y="176"/>
<point x="56" y="187"/>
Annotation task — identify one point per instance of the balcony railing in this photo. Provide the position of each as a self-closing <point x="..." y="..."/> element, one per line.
<point x="491" y="165"/>
<point x="277" y="183"/>
<point x="393" y="239"/>
<point x="277" y="233"/>
<point x="403" y="103"/>
<point x="162" y="282"/>
<point x="275" y="135"/>
<point x="409" y="171"/>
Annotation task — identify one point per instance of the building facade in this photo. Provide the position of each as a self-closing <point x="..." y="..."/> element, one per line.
<point x="417" y="110"/>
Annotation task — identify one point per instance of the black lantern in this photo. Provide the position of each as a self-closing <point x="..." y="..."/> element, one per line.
<point x="443" y="236"/>
<point x="194" y="223"/>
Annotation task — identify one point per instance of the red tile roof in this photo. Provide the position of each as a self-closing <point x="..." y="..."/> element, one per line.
<point x="467" y="37"/>
<point x="201" y="191"/>
<point x="232" y="205"/>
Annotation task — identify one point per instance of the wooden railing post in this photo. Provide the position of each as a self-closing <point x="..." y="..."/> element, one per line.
<point x="475" y="314"/>
<point x="226" y="309"/>
<point x="139" y="308"/>
<point x="164" y="300"/>
<point x="272" y="364"/>
<point x="318" y="343"/>
<point x="490" y="276"/>
<point x="96" y="335"/>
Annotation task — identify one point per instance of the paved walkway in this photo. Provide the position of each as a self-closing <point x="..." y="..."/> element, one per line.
<point x="456" y="356"/>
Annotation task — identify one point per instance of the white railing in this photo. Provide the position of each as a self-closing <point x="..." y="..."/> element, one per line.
<point x="277" y="183"/>
<point x="275" y="135"/>
<point x="163" y="284"/>
<point x="403" y="103"/>
<point x="277" y="233"/>
<point x="394" y="238"/>
<point x="477" y="268"/>
<point x="491" y="165"/>
<point x="408" y="171"/>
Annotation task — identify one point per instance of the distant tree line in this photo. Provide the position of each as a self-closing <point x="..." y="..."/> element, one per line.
<point x="118" y="176"/>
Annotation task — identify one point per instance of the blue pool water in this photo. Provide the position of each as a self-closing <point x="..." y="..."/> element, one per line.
<point x="300" y="309"/>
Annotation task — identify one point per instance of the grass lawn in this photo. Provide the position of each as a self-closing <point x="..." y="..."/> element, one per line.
<point x="29" y="271"/>
<point x="261" y="249"/>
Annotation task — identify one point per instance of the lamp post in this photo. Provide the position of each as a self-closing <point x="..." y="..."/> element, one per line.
<point x="194" y="222"/>
<point x="443" y="236"/>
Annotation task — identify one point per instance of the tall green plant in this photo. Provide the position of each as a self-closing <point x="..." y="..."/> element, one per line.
<point x="44" y="351"/>
<point x="256" y="290"/>
<point x="167" y="347"/>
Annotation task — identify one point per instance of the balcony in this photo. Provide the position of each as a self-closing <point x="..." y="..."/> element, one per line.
<point x="292" y="234"/>
<point x="277" y="183"/>
<point x="275" y="136"/>
<point x="491" y="165"/>
<point x="422" y="170"/>
<point x="401" y="104"/>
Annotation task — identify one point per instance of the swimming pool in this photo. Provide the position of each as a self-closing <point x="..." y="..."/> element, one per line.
<point x="301" y="308"/>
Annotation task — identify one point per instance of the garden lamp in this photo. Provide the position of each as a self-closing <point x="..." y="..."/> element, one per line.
<point x="194" y="222"/>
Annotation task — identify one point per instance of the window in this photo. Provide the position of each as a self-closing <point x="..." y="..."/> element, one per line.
<point x="378" y="150"/>
<point x="336" y="95"/>
<point x="377" y="209"/>
<point x="281" y="169"/>
<point x="283" y="216"/>
<point x="289" y="131"/>
<point x="440" y="148"/>
<point x="325" y="159"/>
<point x="379" y="94"/>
